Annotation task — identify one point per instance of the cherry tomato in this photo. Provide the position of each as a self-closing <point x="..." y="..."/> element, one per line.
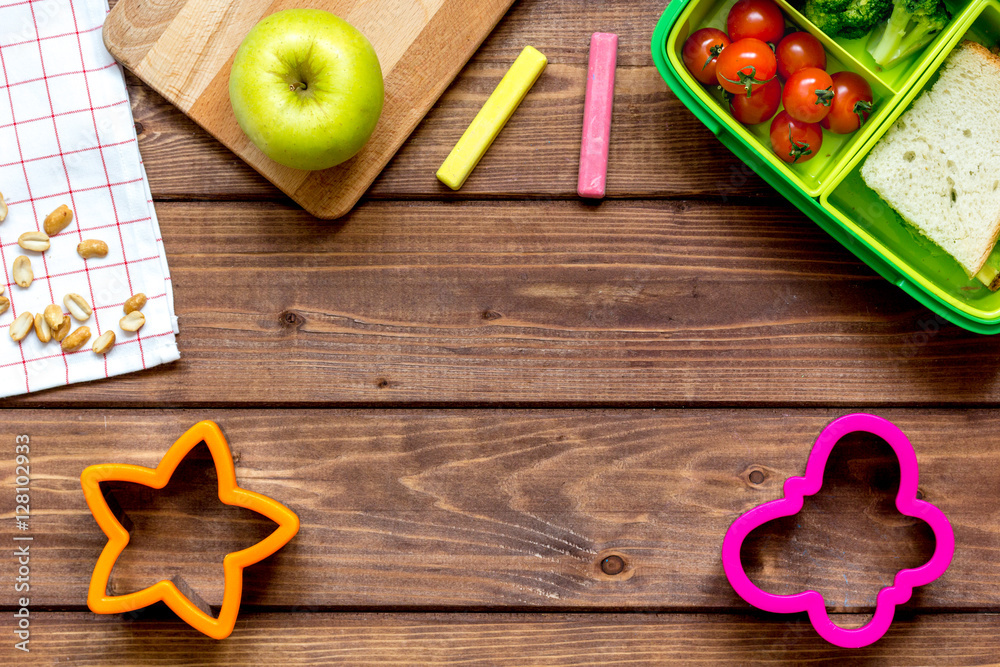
<point x="760" y="19"/>
<point x="852" y="103"/>
<point x="799" y="50"/>
<point x="758" y="107"/>
<point x="795" y="141"/>
<point x="701" y="51"/>
<point x="745" y="65"/>
<point x="808" y="95"/>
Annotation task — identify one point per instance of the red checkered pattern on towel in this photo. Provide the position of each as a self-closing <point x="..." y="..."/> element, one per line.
<point x="67" y="137"/>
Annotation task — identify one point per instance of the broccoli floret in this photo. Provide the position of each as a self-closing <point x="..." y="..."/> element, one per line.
<point x="827" y="15"/>
<point x="861" y="16"/>
<point x="911" y="26"/>
<point x="849" y="19"/>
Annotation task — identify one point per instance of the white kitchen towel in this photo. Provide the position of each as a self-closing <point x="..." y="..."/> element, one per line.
<point x="67" y="137"/>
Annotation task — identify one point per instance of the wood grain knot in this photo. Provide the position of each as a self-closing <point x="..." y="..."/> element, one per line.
<point x="139" y="129"/>
<point x="613" y="565"/>
<point x="755" y="475"/>
<point x="491" y="315"/>
<point x="381" y="383"/>
<point x="292" y="320"/>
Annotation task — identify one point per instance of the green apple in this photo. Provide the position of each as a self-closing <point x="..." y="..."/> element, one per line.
<point x="306" y="87"/>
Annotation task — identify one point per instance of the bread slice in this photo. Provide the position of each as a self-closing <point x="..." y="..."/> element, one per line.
<point x="938" y="166"/>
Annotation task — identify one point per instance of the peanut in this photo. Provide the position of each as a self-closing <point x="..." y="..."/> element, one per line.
<point x="105" y="342"/>
<point x="133" y="321"/>
<point x="60" y="331"/>
<point x="92" y="248"/>
<point x="23" y="275"/>
<point x="20" y="327"/>
<point x="58" y="220"/>
<point x="34" y="241"/>
<point x="3" y="208"/>
<point x="135" y="302"/>
<point x="42" y="329"/>
<point x="76" y="339"/>
<point x="4" y="304"/>
<point x="78" y="307"/>
<point x="53" y="315"/>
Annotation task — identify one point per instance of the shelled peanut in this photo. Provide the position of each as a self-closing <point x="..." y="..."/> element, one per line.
<point x="104" y="342"/>
<point x="58" y="220"/>
<point x="21" y="325"/>
<point x="78" y="307"/>
<point x="22" y="273"/>
<point x="42" y="328"/>
<point x="92" y="248"/>
<point x="76" y="339"/>
<point x="134" y="302"/>
<point x="61" y="331"/>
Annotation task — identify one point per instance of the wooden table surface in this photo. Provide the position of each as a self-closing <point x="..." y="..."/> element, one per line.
<point x="473" y="399"/>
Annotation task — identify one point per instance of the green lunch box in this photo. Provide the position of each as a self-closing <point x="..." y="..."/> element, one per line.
<point x="829" y="188"/>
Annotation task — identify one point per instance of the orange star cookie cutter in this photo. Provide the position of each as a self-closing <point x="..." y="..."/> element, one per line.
<point x="229" y="493"/>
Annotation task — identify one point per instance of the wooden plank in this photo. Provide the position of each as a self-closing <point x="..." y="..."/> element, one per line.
<point x="498" y="639"/>
<point x="659" y="149"/>
<point x="628" y="303"/>
<point x="184" y="49"/>
<point x="513" y="510"/>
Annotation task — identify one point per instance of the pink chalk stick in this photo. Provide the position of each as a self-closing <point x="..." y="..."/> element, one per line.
<point x="597" y="115"/>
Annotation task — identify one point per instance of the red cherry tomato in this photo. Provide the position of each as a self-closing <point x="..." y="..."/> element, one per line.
<point x="795" y="141"/>
<point x="760" y="19"/>
<point x="745" y="66"/>
<point x="808" y="95"/>
<point x="799" y="50"/>
<point x="758" y="107"/>
<point x="701" y="51"/>
<point x="852" y="103"/>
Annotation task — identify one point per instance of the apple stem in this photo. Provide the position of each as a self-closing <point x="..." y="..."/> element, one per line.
<point x="298" y="85"/>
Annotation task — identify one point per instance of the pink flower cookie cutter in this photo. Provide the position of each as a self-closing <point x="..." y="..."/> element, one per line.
<point x="795" y="490"/>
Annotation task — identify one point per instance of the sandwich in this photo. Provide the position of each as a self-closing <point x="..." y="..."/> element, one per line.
<point x="938" y="166"/>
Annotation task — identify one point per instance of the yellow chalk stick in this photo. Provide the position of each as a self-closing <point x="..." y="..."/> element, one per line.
<point x="491" y="118"/>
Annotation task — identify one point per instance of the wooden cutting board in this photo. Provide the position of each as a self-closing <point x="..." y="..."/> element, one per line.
<point x="183" y="49"/>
